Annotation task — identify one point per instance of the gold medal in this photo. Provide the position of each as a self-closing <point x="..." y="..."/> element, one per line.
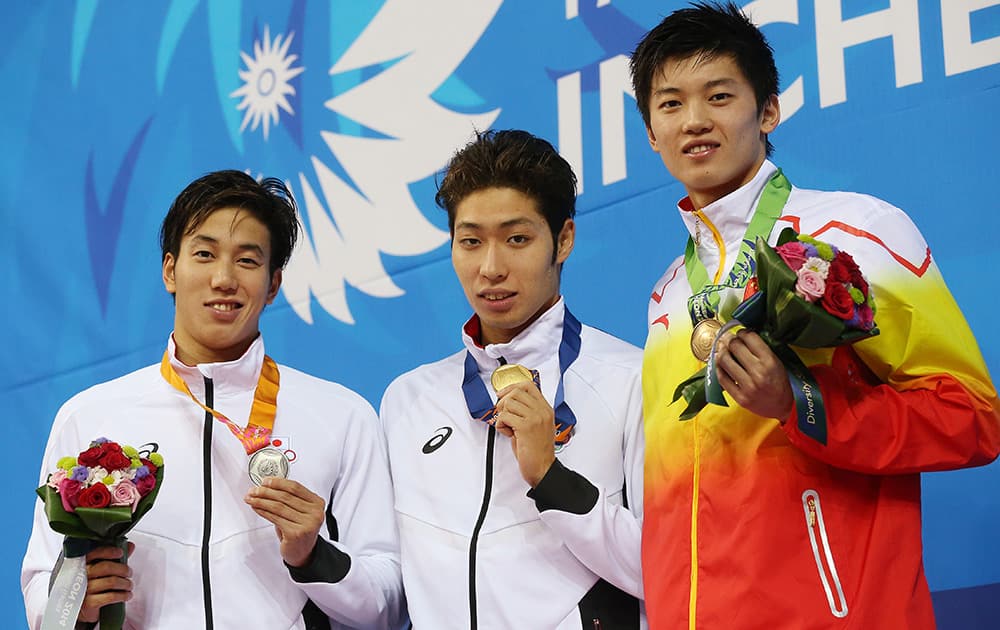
<point x="508" y="375"/>
<point x="703" y="336"/>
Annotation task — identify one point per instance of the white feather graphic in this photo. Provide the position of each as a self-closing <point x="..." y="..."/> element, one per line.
<point x="348" y="231"/>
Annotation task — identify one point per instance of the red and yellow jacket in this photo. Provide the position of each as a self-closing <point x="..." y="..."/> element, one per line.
<point x="750" y="523"/>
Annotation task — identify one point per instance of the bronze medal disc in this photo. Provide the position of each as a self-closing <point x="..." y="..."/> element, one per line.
<point x="267" y="462"/>
<point x="703" y="336"/>
<point x="508" y="375"/>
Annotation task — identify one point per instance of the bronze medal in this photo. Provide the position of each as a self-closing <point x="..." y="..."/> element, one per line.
<point x="267" y="462"/>
<point x="703" y="336"/>
<point x="508" y="375"/>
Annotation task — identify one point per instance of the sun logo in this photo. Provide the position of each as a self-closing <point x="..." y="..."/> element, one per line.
<point x="266" y="81"/>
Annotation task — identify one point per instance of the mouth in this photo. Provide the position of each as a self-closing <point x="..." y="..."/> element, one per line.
<point x="224" y="307"/>
<point x="496" y="296"/>
<point x="700" y="148"/>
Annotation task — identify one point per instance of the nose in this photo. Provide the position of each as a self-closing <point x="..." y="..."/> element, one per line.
<point x="223" y="277"/>
<point x="493" y="266"/>
<point x="697" y="119"/>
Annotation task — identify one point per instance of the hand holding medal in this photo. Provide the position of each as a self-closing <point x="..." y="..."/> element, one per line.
<point x="523" y="414"/>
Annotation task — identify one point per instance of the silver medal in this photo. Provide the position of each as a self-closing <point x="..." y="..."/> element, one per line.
<point x="267" y="462"/>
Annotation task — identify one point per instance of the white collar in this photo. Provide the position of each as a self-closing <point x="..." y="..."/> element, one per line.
<point x="228" y="377"/>
<point x="731" y="214"/>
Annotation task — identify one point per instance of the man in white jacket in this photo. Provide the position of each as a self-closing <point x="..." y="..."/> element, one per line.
<point x="317" y="549"/>
<point x="518" y="491"/>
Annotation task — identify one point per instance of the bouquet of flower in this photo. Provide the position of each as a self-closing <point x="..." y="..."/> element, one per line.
<point x="94" y="499"/>
<point x="811" y="295"/>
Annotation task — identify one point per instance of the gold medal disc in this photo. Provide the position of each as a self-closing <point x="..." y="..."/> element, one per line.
<point x="703" y="336"/>
<point x="508" y="375"/>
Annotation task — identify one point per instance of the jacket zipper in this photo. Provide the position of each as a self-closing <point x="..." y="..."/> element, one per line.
<point x="491" y="438"/>
<point x="490" y="441"/>
<point x="824" y="561"/>
<point x="206" y="582"/>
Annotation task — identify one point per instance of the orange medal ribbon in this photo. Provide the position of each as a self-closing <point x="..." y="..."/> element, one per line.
<point x="257" y="433"/>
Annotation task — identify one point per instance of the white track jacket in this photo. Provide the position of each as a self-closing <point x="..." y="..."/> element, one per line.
<point x="478" y="549"/>
<point x="203" y="558"/>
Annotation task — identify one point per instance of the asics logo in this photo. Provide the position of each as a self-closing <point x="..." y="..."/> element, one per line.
<point x="437" y="440"/>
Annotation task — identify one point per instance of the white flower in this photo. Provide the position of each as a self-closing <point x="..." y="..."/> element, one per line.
<point x="817" y="265"/>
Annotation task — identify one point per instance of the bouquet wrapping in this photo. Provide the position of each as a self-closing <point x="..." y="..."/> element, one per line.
<point x="811" y="295"/>
<point x="94" y="500"/>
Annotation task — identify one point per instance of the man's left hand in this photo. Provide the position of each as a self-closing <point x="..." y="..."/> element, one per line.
<point x="297" y="514"/>
<point x="753" y="375"/>
<point x="528" y="420"/>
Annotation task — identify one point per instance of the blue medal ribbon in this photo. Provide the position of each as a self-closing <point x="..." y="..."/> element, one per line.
<point x="480" y="404"/>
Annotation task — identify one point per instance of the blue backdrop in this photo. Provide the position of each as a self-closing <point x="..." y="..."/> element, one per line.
<point x="111" y="108"/>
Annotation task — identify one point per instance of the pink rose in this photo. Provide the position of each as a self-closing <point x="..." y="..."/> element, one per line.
<point x="793" y="253"/>
<point x="810" y="286"/>
<point x="125" y="493"/>
<point x="55" y="478"/>
<point x="69" y="493"/>
<point x="145" y="484"/>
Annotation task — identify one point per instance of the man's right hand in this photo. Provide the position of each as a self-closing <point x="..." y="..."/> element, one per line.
<point x="108" y="581"/>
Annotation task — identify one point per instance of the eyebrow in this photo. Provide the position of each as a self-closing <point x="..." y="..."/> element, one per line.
<point x="243" y="247"/>
<point x="470" y="225"/>
<point x="708" y="86"/>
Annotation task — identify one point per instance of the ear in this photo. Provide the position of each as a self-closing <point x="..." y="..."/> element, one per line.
<point x="272" y="292"/>
<point x="770" y="115"/>
<point x="564" y="242"/>
<point x="168" y="273"/>
<point x="652" y="139"/>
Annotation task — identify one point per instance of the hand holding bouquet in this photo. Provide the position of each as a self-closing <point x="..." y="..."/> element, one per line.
<point x="811" y="295"/>
<point x="94" y="499"/>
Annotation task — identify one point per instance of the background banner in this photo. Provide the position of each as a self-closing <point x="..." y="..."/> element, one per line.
<point x="111" y="108"/>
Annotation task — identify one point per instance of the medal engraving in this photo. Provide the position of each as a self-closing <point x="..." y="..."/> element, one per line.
<point x="508" y="375"/>
<point x="267" y="462"/>
<point x="703" y="336"/>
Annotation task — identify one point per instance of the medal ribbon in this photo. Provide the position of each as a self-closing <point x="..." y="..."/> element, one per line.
<point x="257" y="433"/>
<point x="704" y="302"/>
<point x="480" y="404"/>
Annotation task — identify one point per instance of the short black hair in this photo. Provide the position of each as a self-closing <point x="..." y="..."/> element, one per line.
<point x="705" y="30"/>
<point x="516" y="159"/>
<point x="269" y="201"/>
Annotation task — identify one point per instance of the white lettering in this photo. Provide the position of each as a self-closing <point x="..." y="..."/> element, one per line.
<point x="615" y="82"/>
<point x="764" y="12"/>
<point x="834" y="34"/>
<point x="961" y="54"/>
<point x="571" y="124"/>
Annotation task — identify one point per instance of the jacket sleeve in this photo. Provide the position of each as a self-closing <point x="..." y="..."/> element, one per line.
<point x="354" y="575"/>
<point x="917" y="397"/>
<point x="45" y="545"/>
<point x="604" y="536"/>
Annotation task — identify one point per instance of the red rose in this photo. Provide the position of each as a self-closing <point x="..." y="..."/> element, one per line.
<point x="144" y="484"/>
<point x="91" y="456"/>
<point x="837" y="301"/>
<point x="840" y="268"/>
<point x="96" y="496"/>
<point x="113" y="460"/>
<point x="148" y="464"/>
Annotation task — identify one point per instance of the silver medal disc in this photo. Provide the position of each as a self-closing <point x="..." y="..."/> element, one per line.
<point x="267" y="462"/>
